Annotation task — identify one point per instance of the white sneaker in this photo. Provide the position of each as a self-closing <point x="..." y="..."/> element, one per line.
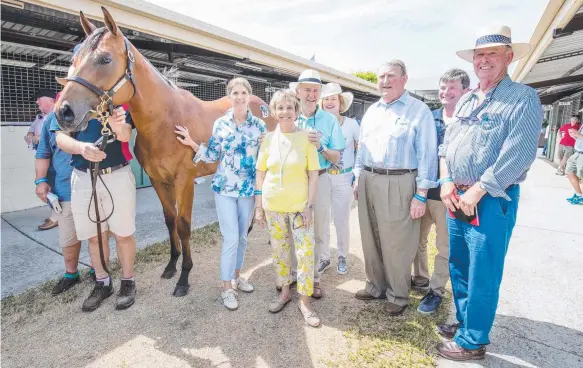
<point x="230" y="299"/>
<point x="243" y="285"/>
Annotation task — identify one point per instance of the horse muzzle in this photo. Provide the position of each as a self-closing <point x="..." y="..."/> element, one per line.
<point x="68" y="121"/>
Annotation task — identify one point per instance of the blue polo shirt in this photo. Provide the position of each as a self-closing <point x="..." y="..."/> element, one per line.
<point x="59" y="175"/>
<point x="329" y="130"/>
<point x="91" y="134"/>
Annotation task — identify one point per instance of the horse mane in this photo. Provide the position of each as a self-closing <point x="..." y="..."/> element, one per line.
<point x="90" y="44"/>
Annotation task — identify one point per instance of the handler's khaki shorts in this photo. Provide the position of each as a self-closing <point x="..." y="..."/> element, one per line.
<point x="122" y="185"/>
<point x="67" y="233"/>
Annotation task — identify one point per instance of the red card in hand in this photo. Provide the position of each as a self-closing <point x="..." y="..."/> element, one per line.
<point x="460" y="215"/>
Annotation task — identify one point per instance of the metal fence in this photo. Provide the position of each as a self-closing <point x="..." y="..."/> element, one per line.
<point x="26" y="69"/>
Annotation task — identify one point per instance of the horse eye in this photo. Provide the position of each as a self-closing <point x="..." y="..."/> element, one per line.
<point x="105" y="60"/>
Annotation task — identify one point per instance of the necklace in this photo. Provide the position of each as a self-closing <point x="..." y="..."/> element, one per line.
<point x="283" y="157"/>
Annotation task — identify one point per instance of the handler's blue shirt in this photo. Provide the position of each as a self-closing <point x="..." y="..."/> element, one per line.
<point x="113" y="150"/>
<point x="59" y="175"/>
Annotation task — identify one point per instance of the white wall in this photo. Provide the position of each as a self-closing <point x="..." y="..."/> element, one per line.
<point x="17" y="171"/>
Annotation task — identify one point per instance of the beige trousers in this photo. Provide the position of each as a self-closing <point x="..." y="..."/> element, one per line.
<point x="435" y="213"/>
<point x="390" y="237"/>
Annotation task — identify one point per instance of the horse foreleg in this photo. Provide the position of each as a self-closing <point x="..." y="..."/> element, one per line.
<point x="185" y="196"/>
<point x="168" y="199"/>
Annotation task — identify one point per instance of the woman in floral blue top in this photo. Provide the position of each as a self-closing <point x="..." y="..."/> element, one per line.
<point x="235" y="144"/>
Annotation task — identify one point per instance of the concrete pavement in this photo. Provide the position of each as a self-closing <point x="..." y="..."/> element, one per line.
<point x="31" y="257"/>
<point x="539" y="321"/>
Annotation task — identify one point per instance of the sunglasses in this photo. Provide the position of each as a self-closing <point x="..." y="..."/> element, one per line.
<point x="298" y="221"/>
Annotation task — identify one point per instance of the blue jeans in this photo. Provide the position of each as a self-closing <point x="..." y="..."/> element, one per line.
<point x="476" y="265"/>
<point x="234" y="215"/>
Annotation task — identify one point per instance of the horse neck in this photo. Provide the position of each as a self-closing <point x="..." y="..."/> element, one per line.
<point x="153" y="95"/>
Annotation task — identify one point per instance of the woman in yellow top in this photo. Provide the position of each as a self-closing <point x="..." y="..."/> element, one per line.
<point x="286" y="180"/>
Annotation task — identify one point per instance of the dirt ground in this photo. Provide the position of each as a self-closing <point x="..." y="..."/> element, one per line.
<point x="197" y="331"/>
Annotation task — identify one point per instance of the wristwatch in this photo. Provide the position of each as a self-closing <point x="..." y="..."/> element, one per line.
<point x="422" y="194"/>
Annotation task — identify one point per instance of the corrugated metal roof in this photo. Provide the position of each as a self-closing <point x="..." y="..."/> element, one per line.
<point x="552" y="69"/>
<point x="563" y="45"/>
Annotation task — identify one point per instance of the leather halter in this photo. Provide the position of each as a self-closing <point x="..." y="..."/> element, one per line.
<point x="105" y="108"/>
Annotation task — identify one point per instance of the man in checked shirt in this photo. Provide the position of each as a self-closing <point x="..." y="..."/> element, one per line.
<point x="486" y="153"/>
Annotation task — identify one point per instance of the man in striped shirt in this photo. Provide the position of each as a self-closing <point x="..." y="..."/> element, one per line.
<point x="486" y="153"/>
<point x="396" y="164"/>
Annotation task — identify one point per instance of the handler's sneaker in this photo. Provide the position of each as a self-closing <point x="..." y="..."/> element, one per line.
<point x="230" y="299"/>
<point x="126" y="295"/>
<point x="100" y="293"/>
<point x="243" y="285"/>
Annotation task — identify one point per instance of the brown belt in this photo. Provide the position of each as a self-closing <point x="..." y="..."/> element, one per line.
<point x="323" y="171"/>
<point x="109" y="170"/>
<point x="389" y="171"/>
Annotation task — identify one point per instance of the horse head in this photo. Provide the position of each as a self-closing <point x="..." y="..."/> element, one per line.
<point x="100" y="65"/>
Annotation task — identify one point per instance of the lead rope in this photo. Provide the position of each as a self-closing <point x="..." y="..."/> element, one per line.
<point x="94" y="172"/>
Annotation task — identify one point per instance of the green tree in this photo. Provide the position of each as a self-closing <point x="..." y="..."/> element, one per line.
<point x="367" y="75"/>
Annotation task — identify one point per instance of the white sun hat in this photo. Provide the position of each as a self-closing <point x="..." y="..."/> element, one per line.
<point x="332" y="89"/>
<point x="308" y="76"/>
<point x="496" y="36"/>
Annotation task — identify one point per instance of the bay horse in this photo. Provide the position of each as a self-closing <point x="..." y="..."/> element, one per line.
<point x="105" y="63"/>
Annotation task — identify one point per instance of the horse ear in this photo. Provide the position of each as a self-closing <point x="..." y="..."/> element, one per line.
<point x="88" y="27"/>
<point x="110" y="23"/>
<point x="61" y="81"/>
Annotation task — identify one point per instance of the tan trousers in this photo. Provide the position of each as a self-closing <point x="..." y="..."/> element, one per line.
<point x="390" y="237"/>
<point x="434" y="214"/>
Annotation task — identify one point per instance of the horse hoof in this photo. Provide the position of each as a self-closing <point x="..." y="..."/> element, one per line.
<point x="181" y="290"/>
<point x="168" y="274"/>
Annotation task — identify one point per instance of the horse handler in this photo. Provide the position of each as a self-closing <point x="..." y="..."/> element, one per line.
<point x="115" y="184"/>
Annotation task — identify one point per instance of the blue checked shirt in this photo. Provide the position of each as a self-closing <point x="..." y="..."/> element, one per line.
<point x="495" y="142"/>
<point x="399" y="135"/>
<point x="236" y="148"/>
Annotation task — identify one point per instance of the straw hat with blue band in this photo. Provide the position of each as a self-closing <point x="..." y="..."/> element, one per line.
<point x="496" y="36"/>
<point x="308" y="76"/>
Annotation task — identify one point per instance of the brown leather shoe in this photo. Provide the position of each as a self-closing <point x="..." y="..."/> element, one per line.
<point x="394" y="309"/>
<point x="448" y="331"/>
<point x="363" y="295"/>
<point x="48" y="224"/>
<point x="452" y="351"/>
<point x="317" y="293"/>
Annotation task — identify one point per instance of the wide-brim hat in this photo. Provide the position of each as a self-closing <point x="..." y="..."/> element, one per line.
<point x="308" y="76"/>
<point x="332" y="89"/>
<point x="496" y="36"/>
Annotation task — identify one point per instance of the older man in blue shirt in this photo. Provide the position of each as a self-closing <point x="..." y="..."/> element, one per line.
<point x="396" y="164"/>
<point x="53" y="175"/>
<point x="486" y="153"/>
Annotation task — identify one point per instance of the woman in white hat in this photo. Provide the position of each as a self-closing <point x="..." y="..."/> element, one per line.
<point x="336" y="102"/>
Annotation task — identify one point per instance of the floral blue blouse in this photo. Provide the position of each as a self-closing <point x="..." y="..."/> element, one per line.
<point x="236" y="149"/>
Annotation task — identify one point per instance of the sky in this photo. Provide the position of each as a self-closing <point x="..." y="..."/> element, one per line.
<point x="353" y="35"/>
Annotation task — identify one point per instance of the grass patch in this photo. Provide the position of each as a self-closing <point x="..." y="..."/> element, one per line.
<point x="35" y="301"/>
<point x="377" y="340"/>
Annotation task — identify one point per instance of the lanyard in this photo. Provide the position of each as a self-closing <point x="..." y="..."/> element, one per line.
<point x="283" y="159"/>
